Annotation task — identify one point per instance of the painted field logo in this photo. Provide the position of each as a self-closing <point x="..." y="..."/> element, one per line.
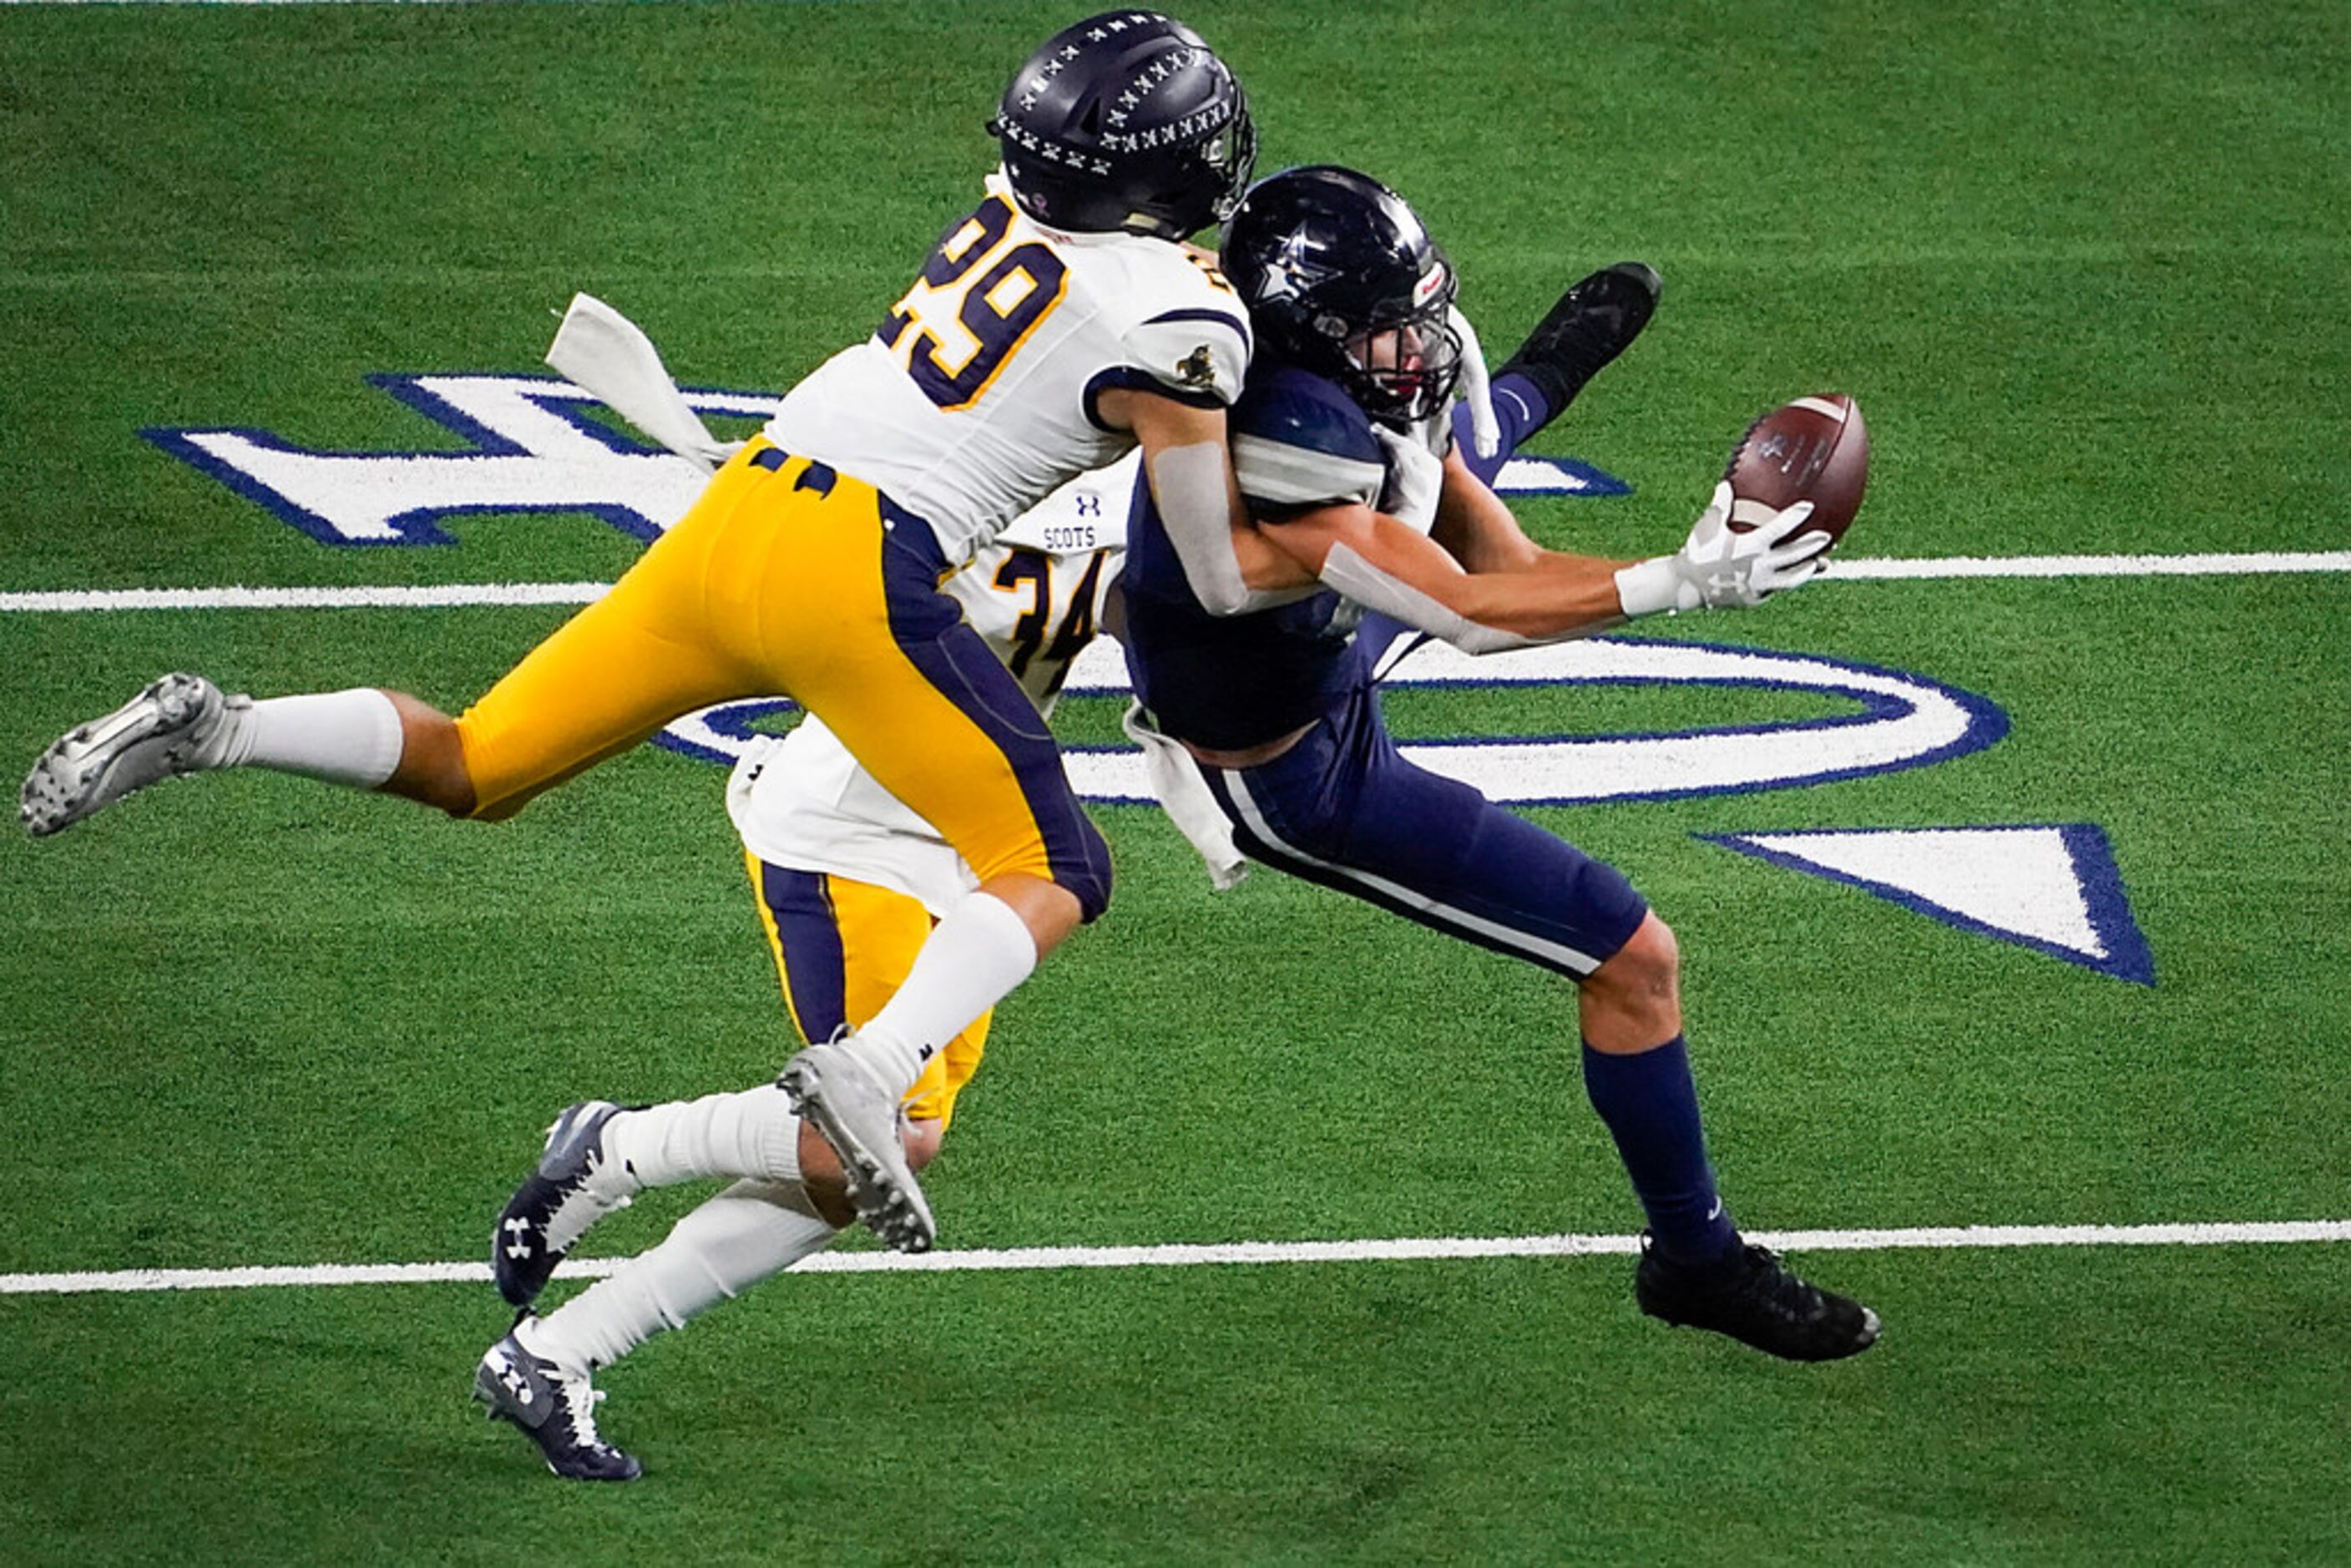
<point x="537" y="443"/>
<point x="537" y="446"/>
<point x="1893" y="721"/>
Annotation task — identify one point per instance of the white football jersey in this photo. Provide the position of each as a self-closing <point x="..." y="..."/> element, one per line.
<point x="976" y="399"/>
<point x="1036" y="593"/>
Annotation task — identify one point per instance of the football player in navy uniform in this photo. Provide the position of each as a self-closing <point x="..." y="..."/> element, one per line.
<point x="1346" y="459"/>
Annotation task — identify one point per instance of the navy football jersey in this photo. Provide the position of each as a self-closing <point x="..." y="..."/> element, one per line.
<point x="1230" y="681"/>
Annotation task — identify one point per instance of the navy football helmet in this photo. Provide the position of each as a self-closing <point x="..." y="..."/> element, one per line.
<point x="1340" y="279"/>
<point x="1127" y="120"/>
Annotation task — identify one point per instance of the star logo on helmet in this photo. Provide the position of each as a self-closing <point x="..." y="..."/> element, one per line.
<point x="1293" y="271"/>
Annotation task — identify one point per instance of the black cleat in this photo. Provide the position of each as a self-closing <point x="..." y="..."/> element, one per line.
<point x="1593" y="323"/>
<point x="1755" y="1299"/>
<point x="568" y="1191"/>
<point x="555" y="1408"/>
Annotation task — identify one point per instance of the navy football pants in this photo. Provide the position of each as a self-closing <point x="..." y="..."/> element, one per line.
<point x="1344" y="808"/>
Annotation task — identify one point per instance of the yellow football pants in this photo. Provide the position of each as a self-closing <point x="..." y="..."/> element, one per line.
<point x="788" y="576"/>
<point x="842" y="948"/>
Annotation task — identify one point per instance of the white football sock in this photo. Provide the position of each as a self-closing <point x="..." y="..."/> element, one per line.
<point x="970" y="963"/>
<point x="751" y="1135"/>
<point x="751" y="1232"/>
<point x="351" y="737"/>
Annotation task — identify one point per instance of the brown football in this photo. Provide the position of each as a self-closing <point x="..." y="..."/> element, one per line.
<point x="1814" y="449"/>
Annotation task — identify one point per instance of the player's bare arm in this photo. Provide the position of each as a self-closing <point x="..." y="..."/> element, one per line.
<point x="1742" y="550"/>
<point x="1385" y="564"/>
<point x="1477" y="530"/>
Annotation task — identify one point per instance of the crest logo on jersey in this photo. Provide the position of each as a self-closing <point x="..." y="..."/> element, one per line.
<point x="1197" y="369"/>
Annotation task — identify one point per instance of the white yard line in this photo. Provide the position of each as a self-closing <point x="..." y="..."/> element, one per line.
<point x="467" y="595"/>
<point x="451" y="596"/>
<point x="1184" y="1255"/>
<point x="1862" y="569"/>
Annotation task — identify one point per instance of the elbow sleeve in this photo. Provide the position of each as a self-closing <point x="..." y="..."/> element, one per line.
<point x="1376" y="590"/>
<point x="1188" y="485"/>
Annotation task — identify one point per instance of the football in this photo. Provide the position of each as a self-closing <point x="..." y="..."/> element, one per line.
<point x="1814" y="449"/>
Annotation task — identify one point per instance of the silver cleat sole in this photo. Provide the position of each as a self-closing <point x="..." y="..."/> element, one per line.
<point x="838" y="1096"/>
<point x="149" y="738"/>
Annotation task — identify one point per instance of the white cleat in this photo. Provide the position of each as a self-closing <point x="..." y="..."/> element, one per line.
<point x="159" y="734"/>
<point x="844" y="1101"/>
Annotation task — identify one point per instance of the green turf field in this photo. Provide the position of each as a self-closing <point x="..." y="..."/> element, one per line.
<point x="2086" y="268"/>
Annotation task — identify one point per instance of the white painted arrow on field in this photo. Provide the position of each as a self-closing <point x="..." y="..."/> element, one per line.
<point x="2052" y="887"/>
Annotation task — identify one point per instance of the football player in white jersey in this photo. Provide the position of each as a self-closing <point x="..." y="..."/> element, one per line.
<point x="1060" y="325"/>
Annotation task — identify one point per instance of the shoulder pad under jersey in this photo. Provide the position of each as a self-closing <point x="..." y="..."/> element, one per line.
<point x="1188" y="336"/>
<point x="1299" y="441"/>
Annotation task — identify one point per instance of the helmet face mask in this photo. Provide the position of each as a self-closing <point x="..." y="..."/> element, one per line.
<point x="1341" y="279"/>
<point x="1232" y="154"/>
<point x="1403" y="371"/>
<point x="1127" y="120"/>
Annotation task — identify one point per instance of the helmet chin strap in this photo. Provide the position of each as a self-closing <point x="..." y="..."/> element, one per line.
<point x="1478" y="389"/>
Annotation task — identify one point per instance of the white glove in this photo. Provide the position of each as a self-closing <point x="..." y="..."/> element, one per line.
<point x="1416" y="479"/>
<point x="1720" y="569"/>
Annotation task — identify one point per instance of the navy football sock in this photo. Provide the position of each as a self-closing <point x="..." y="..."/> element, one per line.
<point x="1650" y="1104"/>
<point x="1519" y="408"/>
